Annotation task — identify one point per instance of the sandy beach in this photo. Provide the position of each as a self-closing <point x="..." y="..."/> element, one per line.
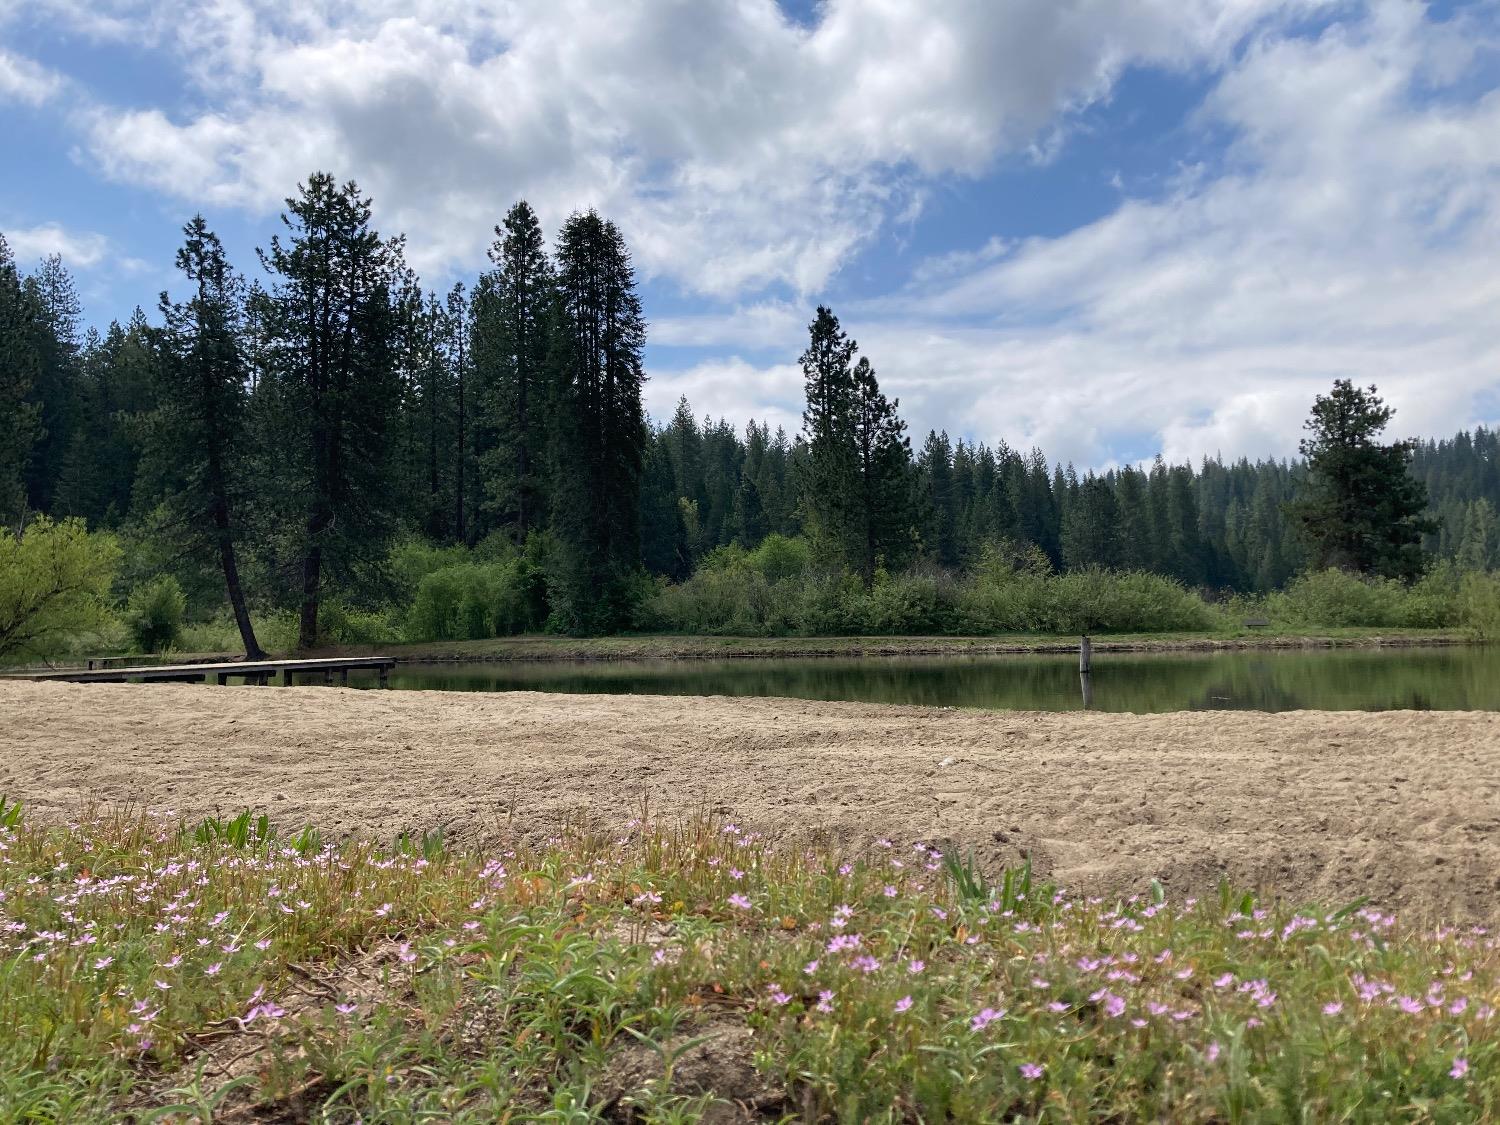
<point x="1403" y="807"/>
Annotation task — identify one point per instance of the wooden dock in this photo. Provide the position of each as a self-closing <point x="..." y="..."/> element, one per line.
<point x="262" y="672"/>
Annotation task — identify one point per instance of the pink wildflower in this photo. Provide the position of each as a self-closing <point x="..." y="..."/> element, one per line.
<point x="985" y="1018"/>
<point x="1030" y="1071"/>
<point x="903" y="1004"/>
<point x="1460" y="1068"/>
<point x="739" y="902"/>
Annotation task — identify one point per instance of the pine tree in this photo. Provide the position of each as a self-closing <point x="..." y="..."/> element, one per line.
<point x="883" y="457"/>
<point x="54" y="298"/>
<point x="829" y="473"/>
<point x="1135" y="519"/>
<point x="1091" y="528"/>
<point x="513" y="314"/>
<point x="331" y="324"/>
<point x="197" y="432"/>
<point x="940" y="498"/>
<point x="1361" y="509"/>
<point x="116" y="388"/>
<point x="600" y="437"/>
<point x="20" y="368"/>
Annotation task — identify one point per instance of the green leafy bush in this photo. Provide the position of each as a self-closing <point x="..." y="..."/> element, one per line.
<point x="154" y="614"/>
<point x="1336" y="599"/>
<point x="55" y="580"/>
<point x="1479" y="605"/>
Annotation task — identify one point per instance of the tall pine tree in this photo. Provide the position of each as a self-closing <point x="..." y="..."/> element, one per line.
<point x="198" y="431"/>
<point x="599" y="441"/>
<point x="513" y="313"/>
<point x="331" y="328"/>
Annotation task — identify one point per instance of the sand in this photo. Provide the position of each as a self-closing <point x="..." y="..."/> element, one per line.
<point x="1403" y="807"/>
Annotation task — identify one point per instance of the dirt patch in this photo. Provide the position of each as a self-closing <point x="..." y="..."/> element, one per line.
<point x="715" y="1062"/>
<point x="1401" y="806"/>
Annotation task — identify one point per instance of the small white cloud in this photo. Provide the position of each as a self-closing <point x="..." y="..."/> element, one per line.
<point x="25" y="81"/>
<point x="79" y="249"/>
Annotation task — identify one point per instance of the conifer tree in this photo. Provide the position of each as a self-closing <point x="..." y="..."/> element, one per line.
<point x="1360" y="510"/>
<point x="331" y="322"/>
<point x="829" y="472"/>
<point x="197" y="433"/>
<point x="20" y="367"/>
<point x="600" y="425"/>
<point x="883" y="457"/>
<point x="513" y="312"/>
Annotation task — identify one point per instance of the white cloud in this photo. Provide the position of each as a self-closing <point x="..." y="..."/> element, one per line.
<point x="1352" y="234"/>
<point x="737" y="149"/>
<point x="78" y="249"/>
<point x="26" y="81"/>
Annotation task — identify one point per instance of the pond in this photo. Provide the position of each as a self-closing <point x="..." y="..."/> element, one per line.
<point x="1426" y="679"/>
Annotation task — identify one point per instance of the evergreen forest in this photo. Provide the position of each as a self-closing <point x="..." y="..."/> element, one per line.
<point x="313" y="448"/>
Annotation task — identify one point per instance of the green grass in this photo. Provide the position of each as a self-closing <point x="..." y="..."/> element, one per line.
<point x="152" y="970"/>
<point x="664" y="646"/>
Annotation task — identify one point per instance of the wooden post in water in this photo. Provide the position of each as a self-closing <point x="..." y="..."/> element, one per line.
<point x="385" y="674"/>
<point x="1085" y="656"/>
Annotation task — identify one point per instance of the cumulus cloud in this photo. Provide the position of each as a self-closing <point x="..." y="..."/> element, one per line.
<point x="80" y="249"/>
<point x="773" y="150"/>
<point x="1350" y="233"/>
<point x="1343" y="222"/>
<point x="23" y="80"/>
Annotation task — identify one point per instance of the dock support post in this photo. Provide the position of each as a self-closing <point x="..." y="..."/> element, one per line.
<point x="385" y="676"/>
<point x="219" y="678"/>
<point x="343" y="677"/>
<point x="286" y="677"/>
<point x="1085" y="656"/>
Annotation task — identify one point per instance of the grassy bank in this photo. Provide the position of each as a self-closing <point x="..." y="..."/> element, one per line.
<point x="662" y="647"/>
<point x="149" y="969"/>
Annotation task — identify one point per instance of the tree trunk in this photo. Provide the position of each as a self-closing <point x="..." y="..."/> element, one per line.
<point x="307" y="625"/>
<point x="231" y="569"/>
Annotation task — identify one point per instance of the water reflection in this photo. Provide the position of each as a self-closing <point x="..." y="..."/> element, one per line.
<point x="1446" y="679"/>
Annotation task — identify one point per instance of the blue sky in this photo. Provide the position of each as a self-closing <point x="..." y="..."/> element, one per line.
<point x="1107" y="227"/>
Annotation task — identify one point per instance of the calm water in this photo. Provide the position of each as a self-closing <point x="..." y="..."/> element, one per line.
<point x="1439" y="679"/>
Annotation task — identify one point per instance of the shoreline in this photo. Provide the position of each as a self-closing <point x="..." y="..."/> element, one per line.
<point x="537" y="649"/>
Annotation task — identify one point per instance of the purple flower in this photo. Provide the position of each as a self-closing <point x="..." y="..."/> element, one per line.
<point x="104" y="962"/>
<point x="985" y="1018"/>
<point x="1333" y="1008"/>
<point x="903" y="1004"/>
<point x="406" y="954"/>
<point x="1114" y="1006"/>
<point x="1460" y="1068"/>
<point x="914" y="967"/>
<point x="1212" y="1053"/>
<point x="739" y="902"/>
<point x="1030" y="1071"/>
<point x="825" y="1001"/>
<point x="345" y="1009"/>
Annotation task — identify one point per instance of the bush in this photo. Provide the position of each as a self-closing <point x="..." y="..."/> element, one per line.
<point x="474" y="601"/>
<point x="1336" y="599"/>
<point x="1479" y="605"/>
<point x="154" y="613"/>
<point x="733" y="596"/>
<point x="55" y="580"/>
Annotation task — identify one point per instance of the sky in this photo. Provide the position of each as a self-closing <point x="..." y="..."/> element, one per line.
<point x="1108" y="228"/>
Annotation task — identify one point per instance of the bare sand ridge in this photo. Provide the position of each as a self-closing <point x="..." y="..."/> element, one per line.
<point x="1403" y="807"/>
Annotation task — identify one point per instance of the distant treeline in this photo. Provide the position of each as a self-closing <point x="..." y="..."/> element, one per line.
<point x="283" y="434"/>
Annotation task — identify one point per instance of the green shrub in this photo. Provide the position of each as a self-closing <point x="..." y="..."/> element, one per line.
<point x="55" y="580"/>
<point x="1479" y="605"/>
<point x="1334" y="599"/>
<point x="779" y="557"/>
<point x="154" y="614"/>
<point x="477" y="600"/>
